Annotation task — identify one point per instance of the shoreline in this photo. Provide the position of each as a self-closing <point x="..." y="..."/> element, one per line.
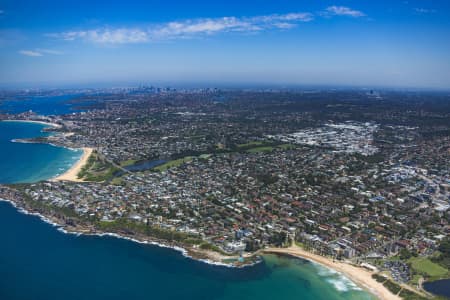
<point x="186" y="252"/>
<point x="72" y="173"/>
<point x="36" y="122"/>
<point x="358" y="275"/>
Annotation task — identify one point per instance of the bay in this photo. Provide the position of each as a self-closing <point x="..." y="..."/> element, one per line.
<point x="39" y="262"/>
<point x="41" y="105"/>
<point x="27" y="162"/>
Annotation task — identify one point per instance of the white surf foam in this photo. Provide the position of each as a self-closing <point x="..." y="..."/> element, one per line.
<point x="183" y="251"/>
<point x="338" y="280"/>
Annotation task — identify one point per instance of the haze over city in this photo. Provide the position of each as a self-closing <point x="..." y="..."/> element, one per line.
<point x="278" y="43"/>
<point x="233" y="150"/>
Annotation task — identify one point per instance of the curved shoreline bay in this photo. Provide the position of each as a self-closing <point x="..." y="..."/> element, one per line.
<point x="71" y="174"/>
<point x="52" y="264"/>
<point x="31" y="162"/>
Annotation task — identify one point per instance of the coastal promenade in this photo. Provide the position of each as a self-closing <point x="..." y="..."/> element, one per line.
<point x="358" y="275"/>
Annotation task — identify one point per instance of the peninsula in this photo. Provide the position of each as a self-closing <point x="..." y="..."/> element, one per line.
<point x="226" y="176"/>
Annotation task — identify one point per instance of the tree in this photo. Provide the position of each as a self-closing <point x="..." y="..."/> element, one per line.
<point x="405" y="254"/>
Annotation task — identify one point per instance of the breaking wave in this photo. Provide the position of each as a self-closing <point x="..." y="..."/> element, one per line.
<point x="339" y="281"/>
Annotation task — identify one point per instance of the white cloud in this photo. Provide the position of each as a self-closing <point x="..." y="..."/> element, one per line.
<point x="185" y="29"/>
<point x="117" y="36"/>
<point x="284" y="25"/>
<point x="40" y="52"/>
<point x="30" y="53"/>
<point x="113" y="36"/>
<point x="294" y="17"/>
<point x="199" y="27"/>
<point x="424" y="10"/>
<point x="50" y="51"/>
<point x="344" y="11"/>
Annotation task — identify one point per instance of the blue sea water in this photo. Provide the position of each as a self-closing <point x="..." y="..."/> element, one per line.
<point x="39" y="262"/>
<point x="22" y="162"/>
<point x="42" y="105"/>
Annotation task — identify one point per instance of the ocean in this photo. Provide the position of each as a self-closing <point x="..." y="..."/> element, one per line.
<point x="39" y="262"/>
<point x="22" y="162"/>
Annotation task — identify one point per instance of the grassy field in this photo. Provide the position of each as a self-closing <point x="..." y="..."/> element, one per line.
<point x="251" y="147"/>
<point x="268" y="148"/>
<point x="127" y="163"/>
<point x="287" y="146"/>
<point x="415" y="279"/>
<point x="425" y="266"/>
<point x="117" y="181"/>
<point x="263" y="146"/>
<point x="173" y="163"/>
<point x="261" y="149"/>
<point x="97" y="170"/>
<point x="250" y="144"/>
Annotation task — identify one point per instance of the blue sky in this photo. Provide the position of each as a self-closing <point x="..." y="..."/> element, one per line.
<point x="340" y="42"/>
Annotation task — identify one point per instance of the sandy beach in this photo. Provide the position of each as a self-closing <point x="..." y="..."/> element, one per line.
<point x="71" y="174"/>
<point x="37" y="122"/>
<point x="358" y="275"/>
